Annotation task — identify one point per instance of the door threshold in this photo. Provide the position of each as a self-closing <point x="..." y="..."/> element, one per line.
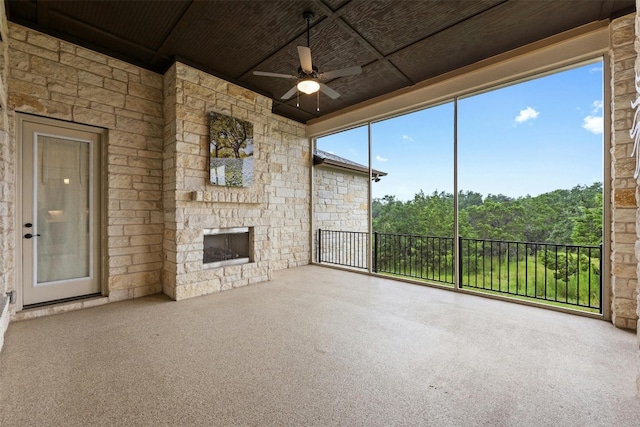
<point x="60" y="306"/>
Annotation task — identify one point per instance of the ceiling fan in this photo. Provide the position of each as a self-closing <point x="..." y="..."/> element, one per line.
<point x="309" y="80"/>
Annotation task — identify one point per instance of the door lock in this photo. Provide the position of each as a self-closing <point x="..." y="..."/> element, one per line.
<point x="28" y="225"/>
<point x="29" y="235"/>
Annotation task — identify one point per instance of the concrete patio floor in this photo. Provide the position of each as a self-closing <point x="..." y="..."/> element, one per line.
<point x="318" y="346"/>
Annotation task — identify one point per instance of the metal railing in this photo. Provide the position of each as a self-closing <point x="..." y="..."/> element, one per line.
<point x="568" y="275"/>
<point x="419" y="257"/>
<point x="345" y="248"/>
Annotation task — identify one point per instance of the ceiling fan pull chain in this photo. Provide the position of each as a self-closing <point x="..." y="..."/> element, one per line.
<point x="318" y="101"/>
<point x="297" y="98"/>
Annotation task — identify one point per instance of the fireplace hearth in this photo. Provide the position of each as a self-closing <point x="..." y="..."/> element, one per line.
<point x="226" y="246"/>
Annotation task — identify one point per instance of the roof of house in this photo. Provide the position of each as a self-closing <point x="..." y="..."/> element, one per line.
<point x="325" y="158"/>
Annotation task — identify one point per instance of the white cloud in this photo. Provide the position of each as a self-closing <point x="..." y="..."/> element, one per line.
<point x="381" y="159"/>
<point x="407" y="138"/>
<point x="594" y="122"/>
<point x="597" y="106"/>
<point x="595" y="70"/>
<point x="527" y="114"/>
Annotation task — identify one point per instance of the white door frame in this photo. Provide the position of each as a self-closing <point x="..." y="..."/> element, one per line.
<point x="100" y="217"/>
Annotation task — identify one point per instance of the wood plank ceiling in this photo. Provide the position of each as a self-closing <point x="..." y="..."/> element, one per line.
<point x="397" y="43"/>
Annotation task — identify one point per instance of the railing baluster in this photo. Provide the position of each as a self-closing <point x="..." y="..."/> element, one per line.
<point x="600" y="279"/>
<point x="509" y="260"/>
<point x="545" y="273"/>
<point x="578" y="276"/>
<point x="534" y="256"/>
<point x="566" y="274"/>
<point x="518" y="244"/>
<point x="526" y="269"/>
<point x="500" y="266"/>
<point x="589" y="281"/>
<point x="491" y="264"/>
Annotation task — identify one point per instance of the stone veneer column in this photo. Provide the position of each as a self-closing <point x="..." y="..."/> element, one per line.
<point x="623" y="189"/>
<point x="7" y="187"/>
<point x="169" y="182"/>
<point x="636" y="42"/>
<point x="275" y="206"/>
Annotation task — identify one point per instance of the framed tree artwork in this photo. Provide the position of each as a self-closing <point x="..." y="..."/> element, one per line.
<point x="230" y="151"/>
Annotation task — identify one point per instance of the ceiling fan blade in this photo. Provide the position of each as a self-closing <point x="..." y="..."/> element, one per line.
<point x="351" y="71"/>
<point x="268" y="74"/>
<point x="290" y="93"/>
<point x="305" y="59"/>
<point x="328" y="91"/>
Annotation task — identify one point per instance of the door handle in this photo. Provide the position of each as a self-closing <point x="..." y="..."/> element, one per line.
<point x="29" y="235"/>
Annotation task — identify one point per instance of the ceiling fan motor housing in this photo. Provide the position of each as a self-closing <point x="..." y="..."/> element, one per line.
<point x="313" y="75"/>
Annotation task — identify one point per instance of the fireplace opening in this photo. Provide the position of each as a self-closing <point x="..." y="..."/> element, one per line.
<point x="226" y="246"/>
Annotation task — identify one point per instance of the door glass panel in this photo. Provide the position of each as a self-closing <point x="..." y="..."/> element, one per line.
<point x="62" y="209"/>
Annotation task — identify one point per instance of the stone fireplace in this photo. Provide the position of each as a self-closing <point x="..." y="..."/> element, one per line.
<point x="226" y="246"/>
<point x="265" y="226"/>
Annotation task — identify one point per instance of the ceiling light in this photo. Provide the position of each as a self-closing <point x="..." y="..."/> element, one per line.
<point x="308" y="86"/>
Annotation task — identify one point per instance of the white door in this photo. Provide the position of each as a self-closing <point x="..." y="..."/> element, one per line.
<point x="60" y="211"/>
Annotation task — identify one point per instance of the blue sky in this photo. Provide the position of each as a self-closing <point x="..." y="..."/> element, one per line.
<point x="528" y="138"/>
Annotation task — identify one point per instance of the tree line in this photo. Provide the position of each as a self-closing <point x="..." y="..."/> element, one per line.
<point x="567" y="217"/>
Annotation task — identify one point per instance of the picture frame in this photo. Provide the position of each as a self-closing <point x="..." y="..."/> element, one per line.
<point x="230" y="151"/>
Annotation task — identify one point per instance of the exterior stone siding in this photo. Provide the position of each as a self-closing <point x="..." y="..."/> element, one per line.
<point x="636" y="42"/>
<point x="276" y="205"/>
<point x="342" y="204"/>
<point x="624" y="279"/>
<point x="158" y="198"/>
<point x="56" y="79"/>
<point x="7" y="187"/>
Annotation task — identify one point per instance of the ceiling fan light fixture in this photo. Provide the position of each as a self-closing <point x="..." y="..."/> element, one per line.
<point x="308" y="86"/>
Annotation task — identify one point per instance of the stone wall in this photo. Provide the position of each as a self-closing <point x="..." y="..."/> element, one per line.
<point x="636" y="41"/>
<point x="276" y="205"/>
<point x="624" y="279"/>
<point x="7" y="187"/>
<point x="151" y="160"/>
<point x="52" y="78"/>
<point x="342" y="204"/>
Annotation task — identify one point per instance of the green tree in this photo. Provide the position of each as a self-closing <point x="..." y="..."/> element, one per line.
<point x="497" y="220"/>
<point x="561" y="216"/>
<point x="435" y="215"/>
<point x="229" y="135"/>
<point x="466" y="199"/>
<point x="587" y="228"/>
